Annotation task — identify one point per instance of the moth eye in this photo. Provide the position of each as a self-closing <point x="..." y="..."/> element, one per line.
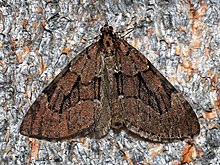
<point x="110" y="28"/>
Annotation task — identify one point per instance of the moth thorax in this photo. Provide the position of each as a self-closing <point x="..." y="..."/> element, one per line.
<point x="108" y="43"/>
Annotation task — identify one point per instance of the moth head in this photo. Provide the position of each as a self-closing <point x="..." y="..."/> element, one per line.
<point x="106" y="29"/>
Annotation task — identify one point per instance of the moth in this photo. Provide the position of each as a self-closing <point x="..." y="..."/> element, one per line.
<point x="110" y="85"/>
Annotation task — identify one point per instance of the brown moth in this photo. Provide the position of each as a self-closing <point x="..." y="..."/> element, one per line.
<point x="110" y="85"/>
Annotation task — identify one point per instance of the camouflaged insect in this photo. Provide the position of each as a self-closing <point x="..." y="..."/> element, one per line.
<point x="110" y="85"/>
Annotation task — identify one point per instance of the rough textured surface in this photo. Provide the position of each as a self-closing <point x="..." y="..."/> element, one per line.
<point x="110" y="85"/>
<point x="39" y="38"/>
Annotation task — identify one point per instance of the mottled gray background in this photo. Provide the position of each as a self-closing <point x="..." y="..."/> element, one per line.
<point x="38" y="38"/>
